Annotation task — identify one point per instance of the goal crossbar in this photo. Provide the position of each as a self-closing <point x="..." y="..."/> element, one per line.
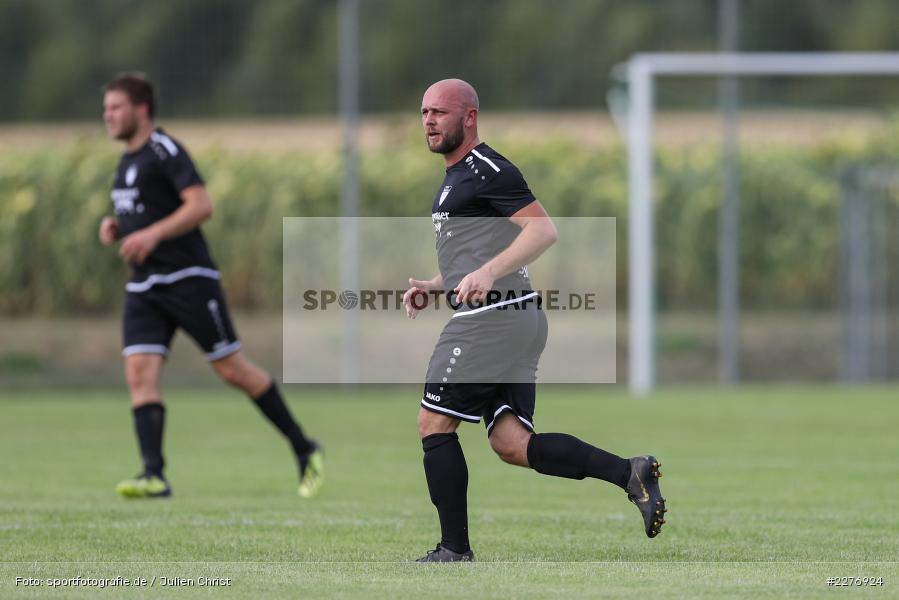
<point x="642" y="69"/>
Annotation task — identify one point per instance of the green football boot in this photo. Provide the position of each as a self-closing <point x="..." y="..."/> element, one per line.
<point x="312" y="473"/>
<point x="145" y="485"/>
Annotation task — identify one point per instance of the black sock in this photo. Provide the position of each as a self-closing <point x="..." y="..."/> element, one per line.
<point x="149" y="420"/>
<point x="564" y="455"/>
<point x="447" y="476"/>
<point x="272" y="406"/>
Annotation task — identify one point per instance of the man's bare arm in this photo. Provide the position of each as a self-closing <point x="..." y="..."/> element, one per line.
<point x="537" y="234"/>
<point x="196" y="207"/>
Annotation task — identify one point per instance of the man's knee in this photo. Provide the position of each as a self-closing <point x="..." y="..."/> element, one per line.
<point x="230" y="373"/>
<point x="430" y="423"/>
<point x="511" y="451"/>
<point x="237" y="371"/>
<point x="509" y="439"/>
<point x="232" y="370"/>
<point x="142" y="370"/>
<point x="142" y="373"/>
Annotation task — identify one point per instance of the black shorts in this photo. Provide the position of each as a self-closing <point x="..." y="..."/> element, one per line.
<point x="195" y="304"/>
<point x="486" y="363"/>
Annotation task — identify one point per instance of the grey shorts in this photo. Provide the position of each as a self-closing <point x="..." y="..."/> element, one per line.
<point x="486" y="363"/>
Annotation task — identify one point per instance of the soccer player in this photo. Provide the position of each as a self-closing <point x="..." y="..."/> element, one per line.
<point x="160" y="201"/>
<point x="489" y="228"/>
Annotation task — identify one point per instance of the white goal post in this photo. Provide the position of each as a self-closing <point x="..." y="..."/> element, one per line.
<point x="642" y="69"/>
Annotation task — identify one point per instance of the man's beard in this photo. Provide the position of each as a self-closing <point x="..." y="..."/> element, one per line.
<point x="127" y="132"/>
<point x="450" y="141"/>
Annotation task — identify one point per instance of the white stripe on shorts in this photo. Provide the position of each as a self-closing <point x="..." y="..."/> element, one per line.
<point x="507" y="407"/>
<point x="145" y="349"/>
<point x="450" y="412"/>
<point x="223" y="351"/>
<point x="475" y="311"/>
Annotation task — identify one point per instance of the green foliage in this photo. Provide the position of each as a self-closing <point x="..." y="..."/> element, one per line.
<point x="51" y="201"/>
<point x="227" y="57"/>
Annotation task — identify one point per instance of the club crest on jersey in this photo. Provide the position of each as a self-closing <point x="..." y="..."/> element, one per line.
<point x="131" y="175"/>
<point x="444" y="194"/>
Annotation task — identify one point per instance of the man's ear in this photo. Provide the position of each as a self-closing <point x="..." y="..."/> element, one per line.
<point x="471" y="118"/>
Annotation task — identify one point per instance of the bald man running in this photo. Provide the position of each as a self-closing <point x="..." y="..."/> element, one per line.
<point x="489" y="227"/>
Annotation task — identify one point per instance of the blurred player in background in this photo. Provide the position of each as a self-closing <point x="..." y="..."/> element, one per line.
<point x="489" y="227"/>
<point x="160" y="201"/>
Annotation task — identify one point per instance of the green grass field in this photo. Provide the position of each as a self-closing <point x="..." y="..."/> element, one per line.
<point x="771" y="491"/>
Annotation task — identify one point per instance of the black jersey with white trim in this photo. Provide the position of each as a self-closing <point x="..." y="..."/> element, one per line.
<point x="471" y="216"/>
<point x="147" y="188"/>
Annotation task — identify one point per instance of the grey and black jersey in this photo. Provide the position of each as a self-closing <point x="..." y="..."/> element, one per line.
<point x="485" y="360"/>
<point x="147" y="188"/>
<point x="470" y="215"/>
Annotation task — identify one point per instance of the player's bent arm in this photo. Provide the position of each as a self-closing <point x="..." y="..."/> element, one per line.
<point x="435" y="283"/>
<point x="196" y="207"/>
<point x="537" y="234"/>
